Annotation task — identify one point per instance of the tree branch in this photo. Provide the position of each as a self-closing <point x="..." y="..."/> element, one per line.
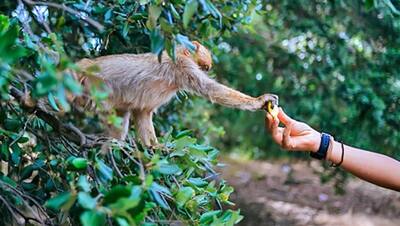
<point x="71" y="132"/>
<point x="78" y="14"/>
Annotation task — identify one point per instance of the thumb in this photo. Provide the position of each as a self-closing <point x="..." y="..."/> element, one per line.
<point x="284" y="118"/>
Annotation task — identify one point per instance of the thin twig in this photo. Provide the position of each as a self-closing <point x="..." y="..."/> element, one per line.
<point x="130" y="157"/>
<point x="176" y="181"/>
<point x="114" y="163"/>
<point x="22" y="72"/>
<point x="78" y="14"/>
<point x="78" y="132"/>
<point x="67" y="143"/>
<point x="22" y="132"/>
<point x="71" y="132"/>
<point x="10" y="209"/>
<point x="27" y="197"/>
<point x="26" y="218"/>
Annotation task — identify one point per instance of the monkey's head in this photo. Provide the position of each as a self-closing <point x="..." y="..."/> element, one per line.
<point x="201" y="56"/>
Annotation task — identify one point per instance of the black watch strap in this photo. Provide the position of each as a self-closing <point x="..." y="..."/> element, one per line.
<point x="323" y="147"/>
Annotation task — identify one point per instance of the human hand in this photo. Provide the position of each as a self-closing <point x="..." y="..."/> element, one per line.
<point x="295" y="135"/>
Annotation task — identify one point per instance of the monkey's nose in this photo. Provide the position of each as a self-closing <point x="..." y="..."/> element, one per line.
<point x="206" y="67"/>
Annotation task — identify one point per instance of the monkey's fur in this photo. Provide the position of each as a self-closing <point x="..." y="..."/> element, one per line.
<point x="139" y="84"/>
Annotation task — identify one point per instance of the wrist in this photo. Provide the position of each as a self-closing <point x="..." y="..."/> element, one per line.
<point x="325" y="142"/>
<point x="334" y="152"/>
<point x="315" y="142"/>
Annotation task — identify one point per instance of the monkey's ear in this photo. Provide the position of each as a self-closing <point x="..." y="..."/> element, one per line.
<point x="186" y="52"/>
<point x="197" y="44"/>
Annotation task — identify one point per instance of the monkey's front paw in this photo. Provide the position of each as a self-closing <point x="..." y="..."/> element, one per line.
<point x="274" y="99"/>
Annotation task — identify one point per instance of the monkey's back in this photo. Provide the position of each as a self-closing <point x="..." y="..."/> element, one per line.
<point x="136" y="81"/>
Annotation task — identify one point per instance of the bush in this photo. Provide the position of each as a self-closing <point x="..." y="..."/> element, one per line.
<point x="53" y="171"/>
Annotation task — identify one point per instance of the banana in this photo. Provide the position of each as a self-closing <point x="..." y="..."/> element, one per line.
<point x="272" y="109"/>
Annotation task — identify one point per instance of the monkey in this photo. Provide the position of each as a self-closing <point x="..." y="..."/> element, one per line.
<point x="139" y="84"/>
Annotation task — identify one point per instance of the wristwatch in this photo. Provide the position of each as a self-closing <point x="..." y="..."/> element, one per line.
<point x="323" y="147"/>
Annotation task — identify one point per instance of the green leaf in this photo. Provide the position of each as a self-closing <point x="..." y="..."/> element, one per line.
<point x="86" y="201"/>
<point x="183" y="133"/>
<point x="52" y="101"/>
<point x="83" y="183"/>
<point x="154" y="14"/>
<point x="117" y="192"/>
<point x="197" y="181"/>
<point x="39" y="163"/>
<point x="183" y="195"/>
<point x="132" y="179"/>
<point x="179" y="153"/>
<point x="157" y="41"/>
<point x="12" y="125"/>
<point x="175" y="13"/>
<point x="209" y="7"/>
<point x="184" y="142"/>
<point x="93" y="218"/>
<point x="369" y="4"/>
<point x="190" y="9"/>
<point x="16" y="154"/>
<point x="79" y="163"/>
<point x="8" y="180"/>
<point x="5" y="152"/>
<point x="231" y="217"/>
<point x="207" y="217"/>
<point x="167" y="168"/>
<point x="197" y="153"/>
<point x="122" y="221"/>
<point x="186" y="42"/>
<point x="62" y="98"/>
<point x="144" y="2"/>
<point x="161" y="189"/>
<point x="8" y="38"/>
<point x="22" y="140"/>
<point x="105" y="172"/>
<point x="108" y="15"/>
<point x="60" y="201"/>
<point x="160" y="200"/>
<point x="4" y="24"/>
<point x="26" y="172"/>
<point x="124" y="204"/>
<point x="44" y="83"/>
<point x="157" y="191"/>
<point x="72" y="85"/>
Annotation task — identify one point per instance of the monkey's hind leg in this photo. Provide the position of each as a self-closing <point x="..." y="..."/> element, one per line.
<point x="144" y="127"/>
<point x="121" y="132"/>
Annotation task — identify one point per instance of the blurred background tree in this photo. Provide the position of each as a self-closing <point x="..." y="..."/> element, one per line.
<point x="333" y="64"/>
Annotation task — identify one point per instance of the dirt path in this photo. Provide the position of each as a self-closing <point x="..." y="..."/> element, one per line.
<point x="267" y="195"/>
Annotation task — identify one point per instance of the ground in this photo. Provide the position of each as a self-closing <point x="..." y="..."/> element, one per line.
<point x="267" y="195"/>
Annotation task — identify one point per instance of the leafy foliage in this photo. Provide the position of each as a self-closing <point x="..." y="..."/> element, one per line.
<point x="53" y="172"/>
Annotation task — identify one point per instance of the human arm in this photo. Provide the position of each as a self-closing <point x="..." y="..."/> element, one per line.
<point x="370" y="166"/>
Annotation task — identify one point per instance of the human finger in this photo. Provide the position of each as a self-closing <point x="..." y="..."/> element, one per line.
<point x="286" y="139"/>
<point x="271" y="122"/>
<point x="284" y="118"/>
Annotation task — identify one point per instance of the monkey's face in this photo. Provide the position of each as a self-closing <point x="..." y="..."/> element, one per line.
<point x="202" y="57"/>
